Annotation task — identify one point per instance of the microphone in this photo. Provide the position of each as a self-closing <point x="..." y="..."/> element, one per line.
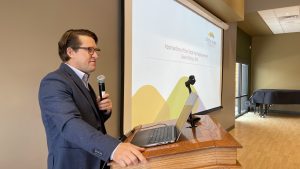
<point x="190" y="81"/>
<point x="192" y="120"/>
<point x="101" y="80"/>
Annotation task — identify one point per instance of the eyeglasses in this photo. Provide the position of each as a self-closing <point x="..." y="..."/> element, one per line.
<point x="90" y="50"/>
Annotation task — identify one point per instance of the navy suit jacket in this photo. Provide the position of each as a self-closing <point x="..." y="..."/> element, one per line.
<point x="75" y="130"/>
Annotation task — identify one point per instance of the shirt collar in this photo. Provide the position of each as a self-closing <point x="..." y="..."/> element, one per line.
<point x="79" y="73"/>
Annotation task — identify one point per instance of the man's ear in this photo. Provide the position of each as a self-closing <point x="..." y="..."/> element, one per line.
<point x="70" y="52"/>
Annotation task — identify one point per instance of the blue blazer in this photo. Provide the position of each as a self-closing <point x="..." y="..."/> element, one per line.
<point x="75" y="130"/>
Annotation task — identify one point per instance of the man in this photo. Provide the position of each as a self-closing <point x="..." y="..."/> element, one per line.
<point x="72" y="115"/>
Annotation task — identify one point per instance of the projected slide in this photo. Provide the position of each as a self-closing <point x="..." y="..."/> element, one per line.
<point x="169" y="43"/>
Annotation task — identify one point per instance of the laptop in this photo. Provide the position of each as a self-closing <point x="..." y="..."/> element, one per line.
<point x="166" y="134"/>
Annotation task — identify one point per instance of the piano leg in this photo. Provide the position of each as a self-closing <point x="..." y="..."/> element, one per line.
<point x="265" y="110"/>
<point x="256" y="108"/>
<point x="261" y="110"/>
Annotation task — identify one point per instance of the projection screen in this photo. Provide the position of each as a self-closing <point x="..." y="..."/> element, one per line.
<point x="164" y="43"/>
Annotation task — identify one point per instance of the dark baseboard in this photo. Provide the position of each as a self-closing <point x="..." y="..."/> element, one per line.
<point x="230" y="128"/>
<point x="284" y="112"/>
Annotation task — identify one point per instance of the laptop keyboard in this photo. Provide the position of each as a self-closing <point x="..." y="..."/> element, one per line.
<point x="160" y="134"/>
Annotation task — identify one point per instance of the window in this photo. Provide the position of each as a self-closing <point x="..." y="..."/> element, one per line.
<point x="241" y="88"/>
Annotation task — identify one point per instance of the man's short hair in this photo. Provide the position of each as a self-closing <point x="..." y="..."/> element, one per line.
<point x="70" y="39"/>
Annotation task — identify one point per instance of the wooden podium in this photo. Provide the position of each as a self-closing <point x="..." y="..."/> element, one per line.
<point x="207" y="146"/>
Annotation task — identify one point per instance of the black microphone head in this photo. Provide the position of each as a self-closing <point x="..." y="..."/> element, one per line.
<point x="101" y="79"/>
<point x="192" y="79"/>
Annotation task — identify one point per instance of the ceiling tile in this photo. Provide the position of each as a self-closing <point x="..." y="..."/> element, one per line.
<point x="282" y="20"/>
<point x="288" y="11"/>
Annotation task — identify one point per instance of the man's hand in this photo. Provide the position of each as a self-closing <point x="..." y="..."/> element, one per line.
<point x="128" y="154"/>
<point x="105" y="104"/>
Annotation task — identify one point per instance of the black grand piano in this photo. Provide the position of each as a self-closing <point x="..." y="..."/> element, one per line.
<point x="266" y="97"/>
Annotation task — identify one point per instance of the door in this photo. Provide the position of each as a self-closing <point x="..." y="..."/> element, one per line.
<point x="241" y="88"/>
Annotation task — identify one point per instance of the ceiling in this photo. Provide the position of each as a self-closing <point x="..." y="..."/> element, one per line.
<point x="251" y="23"/>
<point x="282" y="20"/>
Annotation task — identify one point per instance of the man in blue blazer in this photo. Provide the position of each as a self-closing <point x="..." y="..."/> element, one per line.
<point x="72" y="114"/>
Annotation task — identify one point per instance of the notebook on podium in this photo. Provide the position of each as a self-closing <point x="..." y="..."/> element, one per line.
<point x="166" y="134"/>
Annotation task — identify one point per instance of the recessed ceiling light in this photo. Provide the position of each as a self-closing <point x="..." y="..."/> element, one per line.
<point x="282" y="20"/>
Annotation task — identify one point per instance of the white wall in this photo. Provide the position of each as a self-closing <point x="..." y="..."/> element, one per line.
<point x="276" y="64"/>
<point x="226" y="116"/>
